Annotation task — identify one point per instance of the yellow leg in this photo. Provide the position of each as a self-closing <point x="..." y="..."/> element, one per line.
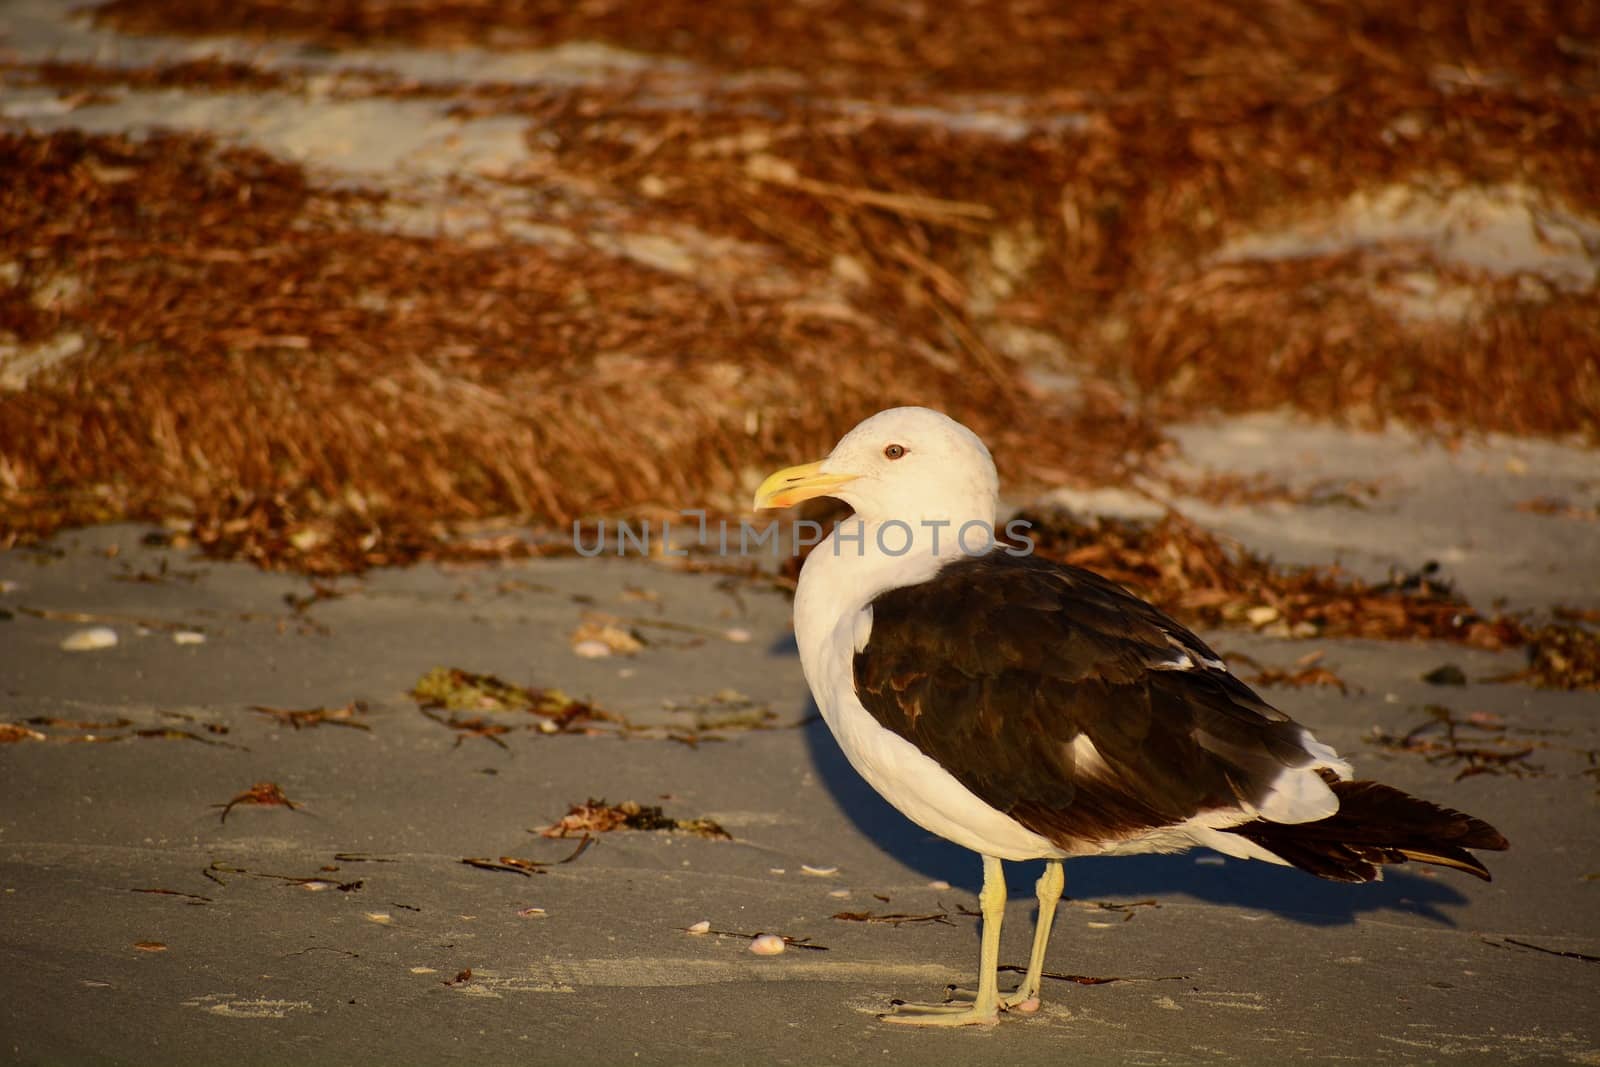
<point x="1051" y="882"/>
<point x="985" y="1007"/>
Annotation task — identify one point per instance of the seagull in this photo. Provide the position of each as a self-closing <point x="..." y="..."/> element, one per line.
<point x="1026" y="709"/>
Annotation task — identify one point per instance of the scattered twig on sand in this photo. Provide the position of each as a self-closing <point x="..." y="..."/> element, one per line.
<point x="454" y="689"/>
<point x="894" y="919"/>
<point x="598" y="817"/>
<point x="1128" y="908"/>
<point x="107" y="617"/>
<point x="526" y="867"/>
<point x="1479" y="744"/>
<point x="189" y="898"/>
<point x="477" y="726"/>
<point x="509" y="864"/>
<point x="262" y="794"/>
<point x="308" y="718"/>
<point x="1564" y="953"/>
<point x="1084" y="979"/>
<point x="216" y="869"/>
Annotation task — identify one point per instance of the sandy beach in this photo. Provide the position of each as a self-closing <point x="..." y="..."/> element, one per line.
<point x="232" y="830"/>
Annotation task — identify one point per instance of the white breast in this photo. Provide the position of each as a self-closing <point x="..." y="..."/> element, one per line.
<point x="922" y="790"/>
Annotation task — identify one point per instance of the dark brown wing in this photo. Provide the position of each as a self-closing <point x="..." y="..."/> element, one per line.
<point x="1000" y="663"/>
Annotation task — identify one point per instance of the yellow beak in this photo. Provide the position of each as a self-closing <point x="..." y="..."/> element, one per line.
<point x="794" y="484"/>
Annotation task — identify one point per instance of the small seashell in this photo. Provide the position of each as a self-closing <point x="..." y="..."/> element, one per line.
<point x="839" y="893"/>
<point x="767" y="945"/>
<point x="1100" y="926"/>
<point x="316" y="886"/>
<point x="189" y="637"/>
<point x="1261" y="614"/>
<point x="532" y="913"/>
<point x="90" y="640"/>
<point x="776" y="870"/>
<point x="701" y="927"/>
<point x="608" y="631"/>
<point x="939" y="884"/>
<point x="592" y="649"/>
<point x="382" y="918"/>
<point x="818" y="872"/>
<point x="738" y="635"/>
<point x="424" y="970"/>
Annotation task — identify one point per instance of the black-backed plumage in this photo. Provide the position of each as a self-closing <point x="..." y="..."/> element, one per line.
<point x="997" y="665"/>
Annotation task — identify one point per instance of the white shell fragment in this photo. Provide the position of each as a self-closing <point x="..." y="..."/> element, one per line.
<point x="532" y="913"/>
<point x="767" y="945"/>
<point x="382" y="918"/>
<point x="701" y="927"/>
<point x="189" y="637"/>
<point x="605" y="630"/>
<point x="592" y="649"/>
<point x="738" y="635"/>
<point x="818" y="872"/>
<point x="90" y="640"/>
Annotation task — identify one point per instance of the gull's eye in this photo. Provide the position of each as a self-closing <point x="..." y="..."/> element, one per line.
<point x="894" y="451"/>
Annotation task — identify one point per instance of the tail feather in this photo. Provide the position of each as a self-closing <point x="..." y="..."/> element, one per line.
<point x="1376" y="824"/>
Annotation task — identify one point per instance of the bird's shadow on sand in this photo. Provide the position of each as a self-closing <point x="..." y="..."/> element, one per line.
<point x="1283" y="891"/>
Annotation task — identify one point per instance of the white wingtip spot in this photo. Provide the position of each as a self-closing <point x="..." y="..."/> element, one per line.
<point x="1184" y="657"/>
<point x="1086" y="759"/>
<point x="1325" y="756"/>
<point x="1298" y="796"/>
